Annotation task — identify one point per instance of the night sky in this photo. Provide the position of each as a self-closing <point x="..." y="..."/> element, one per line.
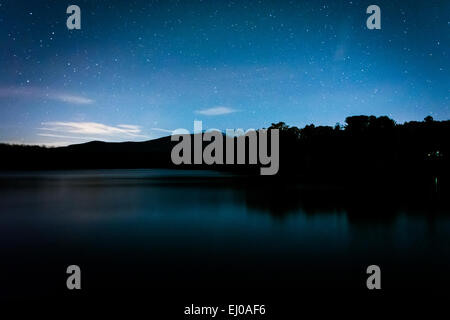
<point x="138" y="69"/>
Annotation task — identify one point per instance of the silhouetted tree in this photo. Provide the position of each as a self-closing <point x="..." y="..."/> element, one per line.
<point x="428" y="119"/>
<point x="357" y="123"/>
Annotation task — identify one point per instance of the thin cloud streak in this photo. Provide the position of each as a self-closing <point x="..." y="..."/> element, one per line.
<point x="65" y="136"/>
<point x="72" y="99"/>
<point x="38" y="93"/>
<point x="161" y="130"/>
<point x="216" y="111"/>
<point x="91" y="131"/>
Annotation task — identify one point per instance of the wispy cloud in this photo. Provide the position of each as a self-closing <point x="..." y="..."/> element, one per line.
<point x="162" y="130"/>
<point x="90" y="131"/>
<point x="216" y="111"/>
<point x="40" y="93"/>
<point x="72" y="99"/>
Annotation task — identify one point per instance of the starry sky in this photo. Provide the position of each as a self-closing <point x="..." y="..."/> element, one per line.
<point x="138" y="69"/>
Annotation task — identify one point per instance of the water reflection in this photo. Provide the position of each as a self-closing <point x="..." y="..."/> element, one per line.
<point x="185" y="228"/>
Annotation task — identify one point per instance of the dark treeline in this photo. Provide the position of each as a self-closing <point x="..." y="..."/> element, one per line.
<point x="366" y="149"/>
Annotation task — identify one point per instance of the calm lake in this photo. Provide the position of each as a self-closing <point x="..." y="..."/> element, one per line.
<point x="137" y="229"/>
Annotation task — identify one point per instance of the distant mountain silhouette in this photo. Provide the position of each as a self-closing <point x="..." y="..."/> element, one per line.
<point x="90" y="155"/>
<point x="366" y="150"/>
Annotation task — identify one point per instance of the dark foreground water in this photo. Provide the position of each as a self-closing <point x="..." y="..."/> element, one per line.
<point x="157" y="229"/>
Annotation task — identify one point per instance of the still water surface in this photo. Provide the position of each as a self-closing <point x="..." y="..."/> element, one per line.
<point x="162" y="228"/>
